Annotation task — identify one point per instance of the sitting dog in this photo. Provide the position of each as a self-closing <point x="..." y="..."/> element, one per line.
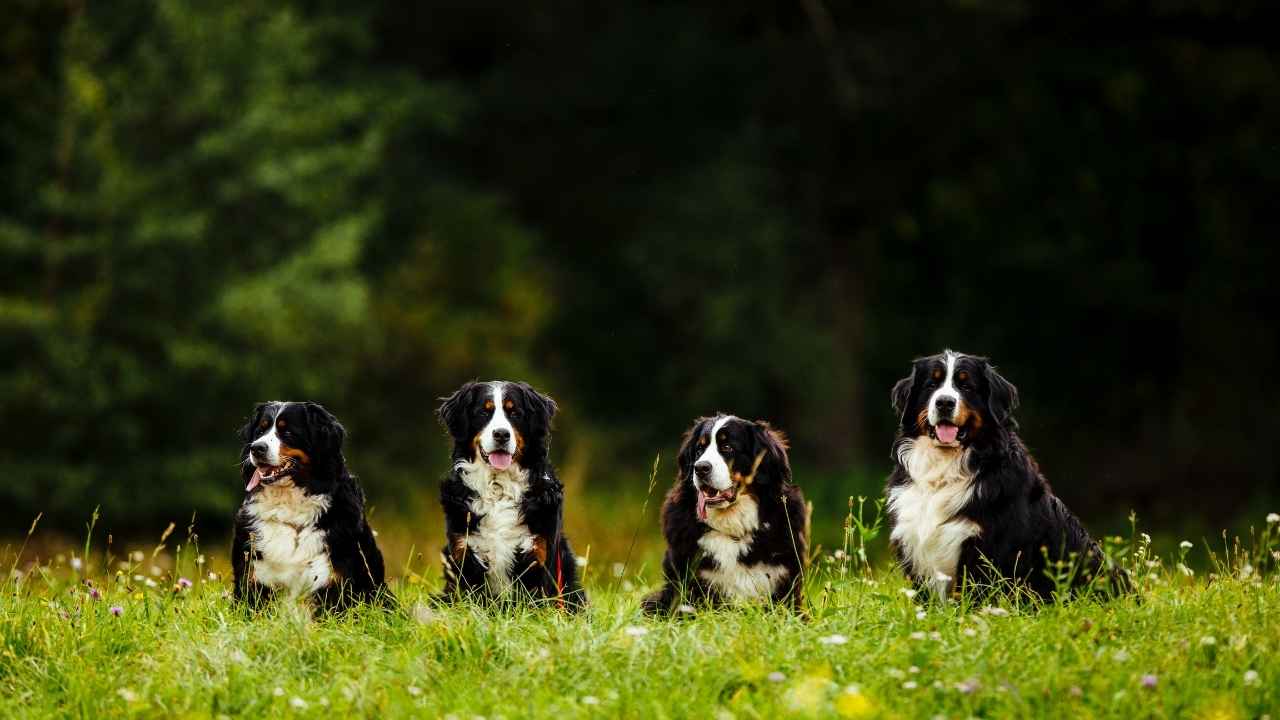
<point x="736" y="528"/>
<point x="301" y="530"/>
<point x="503" y="504"/>
<point x="966" y="501"/>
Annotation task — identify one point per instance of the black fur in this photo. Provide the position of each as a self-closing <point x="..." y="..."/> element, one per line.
<point x="781" y="537"/>
<point x="359" y="574"/>
<point x="1024" y="526"/>
<point x="549" y="573"/>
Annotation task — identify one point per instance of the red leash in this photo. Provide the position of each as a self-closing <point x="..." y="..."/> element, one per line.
<point x="559" y="579"/>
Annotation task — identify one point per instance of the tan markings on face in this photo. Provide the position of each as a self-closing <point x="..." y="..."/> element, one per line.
<point x="488" y="404"/>
<point x="962" y="376"/>
<point x="702" y="441"/>
<point x="540" y="549"/>
<point x="519" y="443"/>
<point x="966" y="415"/>
<point x="938" y="373"/>
<point x="296" y="454"/>
<point x="507" y="405"/>
<point x="475" y="446"/>
<point x="280" y="423"/>
<point x="923" y="418"/>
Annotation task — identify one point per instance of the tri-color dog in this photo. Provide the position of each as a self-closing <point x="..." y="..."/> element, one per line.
<point x="736" y="527"/>
<point x="503" y="504"/>
<point x="966" y="501"/>
<point x="301" y="529"/>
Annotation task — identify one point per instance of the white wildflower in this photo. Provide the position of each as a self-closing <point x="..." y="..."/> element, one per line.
<point x="686" y="609"/>
<point x="127" y="695"/>
<point x="1251" y="678"/>
<point x="149" y="582"/>
<point x="1146" y="539"/>
<point x="581" y="561"/>
<point x="297" y="703"/>
<point x="970" y="632"/>
<point x="910" y="685"/>
<point x="994" y="611"/>
<point x="1186" y="545"/>
<point x="1273" y="518"/>
<point x="414" y="690"/>
<point x="909" y="592"/>
<point x="1120" y="656"/>
<point x="833" y="640"/>
<point x="920" y="614"/>
<point x="913" y="670"/>
<point x="1208" y="641"/>
<point x="1186" y="570"/>
<point x="895" y="673"/>
<point x="917" y="635"/>
<point x="635" y="631"/>
<point x="942" y="577"/>
<point x="590" y="700"/>
<point x="76" y="563"/>
<point x="618" y="568"/>
<point x="776" y="677"/>
<point x="278" y="692"/>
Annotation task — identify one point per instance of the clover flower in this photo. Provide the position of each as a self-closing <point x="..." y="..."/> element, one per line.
<point x="1149" y="681"/>
<point x="116" y="610"/>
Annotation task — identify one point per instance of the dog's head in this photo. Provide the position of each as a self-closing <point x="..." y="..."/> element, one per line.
<point x="292" y="443"/>
<point x="954" y="398"/>
<point x="725" y="457"/>
<point x="500" y="423"/>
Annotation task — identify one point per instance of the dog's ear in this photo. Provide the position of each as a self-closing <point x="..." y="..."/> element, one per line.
<point x="1002" y="397"/>
<point x="900" y="396"/>
<point x="327" y="434"/>
<point x="540" y="407"/>
<point x="773" y="444"/>
<point x="453" y="411"/>
<point x="689" y="450"/>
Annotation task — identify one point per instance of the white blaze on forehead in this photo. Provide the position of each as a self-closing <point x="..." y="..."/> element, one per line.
<point x="499" y="421"/>
<point x="271" y="438"/>
<point x="719" y="479"/>
<point x="948" y="388"/>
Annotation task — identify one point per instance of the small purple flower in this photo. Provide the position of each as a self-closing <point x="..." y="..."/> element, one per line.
<point x="1149" y="681"/>
<point x="93" y="593"/>
<point x="184" y="583"/>
<point x="117" y="610"/>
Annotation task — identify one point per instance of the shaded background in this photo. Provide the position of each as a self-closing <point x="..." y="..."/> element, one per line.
<point x="649" y="211"/>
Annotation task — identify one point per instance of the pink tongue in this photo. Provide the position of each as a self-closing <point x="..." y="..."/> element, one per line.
<point x="946" y="433"/>
<point x="500" y="460"/>
<point x="702" y="505"/>
<point x="253" y="481"/>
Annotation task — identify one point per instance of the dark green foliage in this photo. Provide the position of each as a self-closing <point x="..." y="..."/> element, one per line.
<point x="651" y="212"/>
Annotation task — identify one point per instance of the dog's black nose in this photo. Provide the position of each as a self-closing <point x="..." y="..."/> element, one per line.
<point x="702" y="468"/>
<point x="501" y="435"/>
<point x="946" y="405"/>
<point x="259" y="448"/>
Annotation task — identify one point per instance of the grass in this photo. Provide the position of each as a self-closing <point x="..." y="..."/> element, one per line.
<point x="93" y="635"/>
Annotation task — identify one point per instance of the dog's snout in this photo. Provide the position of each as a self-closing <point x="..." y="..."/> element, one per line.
<point x="259" y="448"/>
<point x="702" y="468"/>
<point x="946" y="405"/>
<point x="501" y="435"/>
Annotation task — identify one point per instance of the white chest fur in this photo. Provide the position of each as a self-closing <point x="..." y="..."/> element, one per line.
<point x="924" y="511"/>
<point x="500" y="531"/>
<point x="290" y="553"/>
<point x="727" y="541"/>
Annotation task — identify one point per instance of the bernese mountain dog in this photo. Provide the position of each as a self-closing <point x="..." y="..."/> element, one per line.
<point x="967" y="504"/>
<point x="736" y="527"/>
<point x="503" y="504"/>
<point x="301" y="530"/>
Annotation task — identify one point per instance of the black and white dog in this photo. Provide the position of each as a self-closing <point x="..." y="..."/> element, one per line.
<point x="736" y="527"/>
<point x="503" y="504"/>
<point x="966" y="501"/>
<point x="301" y="530"/>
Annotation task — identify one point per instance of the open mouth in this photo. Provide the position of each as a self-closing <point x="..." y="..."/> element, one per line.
<point x="710" y="497"/>
<point x="268" y="474"/>
<point x="498" y="459"/>
<point x="948" y="434"/>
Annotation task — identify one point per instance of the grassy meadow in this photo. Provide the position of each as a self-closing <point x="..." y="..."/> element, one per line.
<point x="151" y="632"/>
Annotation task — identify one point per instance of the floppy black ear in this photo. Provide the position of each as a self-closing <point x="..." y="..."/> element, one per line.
<point x="1002" y="398"/>
<point x="452" y="413"/>
<point x="688" y="454"/>
<point x="900" y="396"/>
<point x="542" y="407"/>
<point x="327" y="434"/>
<point x="771" y="442"/>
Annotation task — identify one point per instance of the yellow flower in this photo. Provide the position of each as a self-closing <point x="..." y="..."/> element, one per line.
<point x="810" y="690"/>
<point x="138" y="595"/>
<point x="854" y="705"/>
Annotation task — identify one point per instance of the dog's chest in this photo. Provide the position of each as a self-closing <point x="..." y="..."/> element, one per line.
<point x="925" y="523"/>
<point x="726" y="543"/>
<point x="501" y="532"/>
<point x="290" y="553"/>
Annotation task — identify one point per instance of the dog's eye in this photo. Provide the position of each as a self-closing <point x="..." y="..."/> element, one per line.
<point x="962" y="376"/>
<point x="726" y="448"/>
<point x="264" y="424"/>
<point x="937" y="375"/>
